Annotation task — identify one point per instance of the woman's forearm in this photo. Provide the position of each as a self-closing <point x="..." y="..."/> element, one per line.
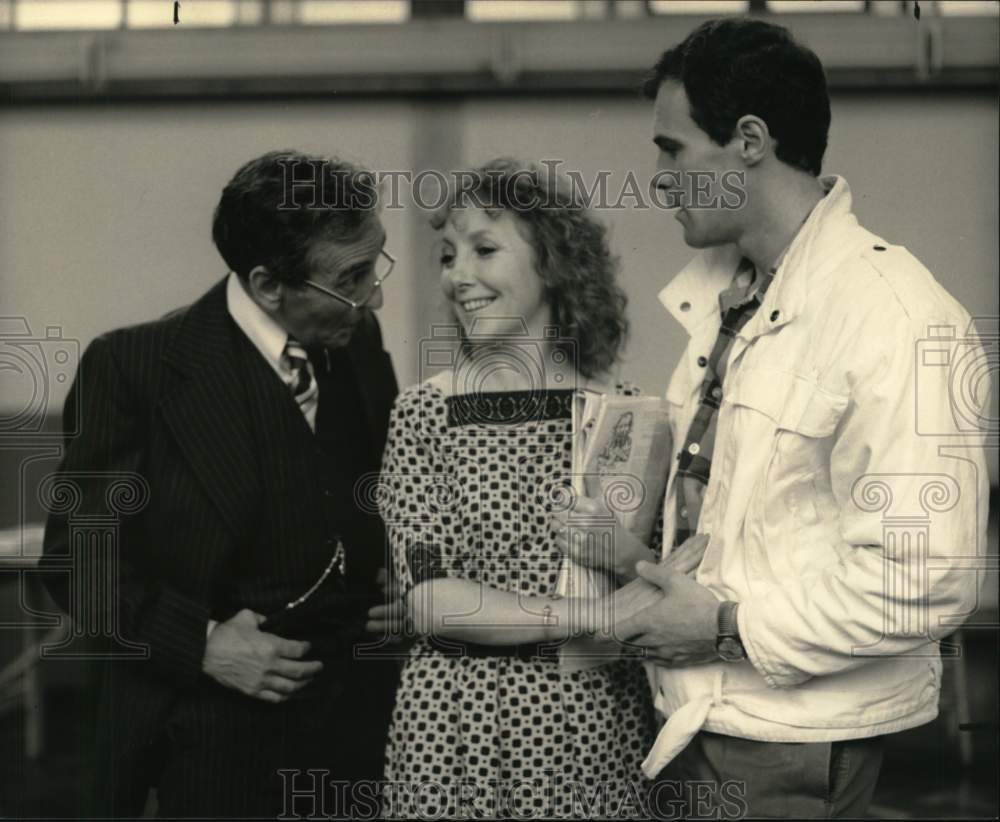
<point x="451" y="608"/>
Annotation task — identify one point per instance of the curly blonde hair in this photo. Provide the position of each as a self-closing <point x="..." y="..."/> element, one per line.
<point x="572" y="256"/>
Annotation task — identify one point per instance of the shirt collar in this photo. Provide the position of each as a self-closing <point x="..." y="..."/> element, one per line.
<point x="267" y="336"/>
<point x="820" y="243"/>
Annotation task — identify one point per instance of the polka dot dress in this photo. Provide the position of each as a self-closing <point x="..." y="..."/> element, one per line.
<point x="475" y="477"/>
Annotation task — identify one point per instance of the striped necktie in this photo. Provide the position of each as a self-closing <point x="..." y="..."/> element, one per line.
<point x="301" y="379"/>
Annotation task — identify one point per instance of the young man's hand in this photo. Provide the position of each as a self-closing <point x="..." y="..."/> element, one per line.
<point x="678" y="628"/>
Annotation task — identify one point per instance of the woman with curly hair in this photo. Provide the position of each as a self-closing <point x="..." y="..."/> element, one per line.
<point x="486" y="720"/>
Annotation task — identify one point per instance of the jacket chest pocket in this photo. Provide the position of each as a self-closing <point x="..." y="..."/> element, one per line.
<point x="795" y="404"/>
<point x="801" y="416"/>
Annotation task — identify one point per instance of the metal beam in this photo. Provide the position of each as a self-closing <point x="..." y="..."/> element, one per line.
<point x="460" y="57"/>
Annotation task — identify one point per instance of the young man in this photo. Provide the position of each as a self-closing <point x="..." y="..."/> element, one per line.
<point x="831" y="467"/>
<point x="249" y="416"/>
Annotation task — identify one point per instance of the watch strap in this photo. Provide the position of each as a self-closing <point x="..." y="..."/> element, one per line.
<point x="727" y="624"/>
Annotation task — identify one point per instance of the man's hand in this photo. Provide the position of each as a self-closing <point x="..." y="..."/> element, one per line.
<point x="680" y="627"/>
<point x="625" y="602"/>
<point x="686" y="557"/>
<point x="573" y="528"/>
<point x="242" y="657"/>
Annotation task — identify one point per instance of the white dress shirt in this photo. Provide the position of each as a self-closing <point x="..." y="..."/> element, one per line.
<point x="268" y="338"/>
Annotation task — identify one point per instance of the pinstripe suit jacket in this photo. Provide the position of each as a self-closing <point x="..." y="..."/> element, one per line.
<point x="189" y="404"/>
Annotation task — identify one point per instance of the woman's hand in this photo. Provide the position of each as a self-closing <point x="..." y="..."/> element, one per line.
<point x="591" y="535"/>
<point x="388" y="620"/>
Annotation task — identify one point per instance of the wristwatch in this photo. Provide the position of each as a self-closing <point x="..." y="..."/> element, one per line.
<point x="727" y="641"/>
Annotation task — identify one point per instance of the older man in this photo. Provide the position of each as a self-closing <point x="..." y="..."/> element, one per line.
<point x="250" y="415"/>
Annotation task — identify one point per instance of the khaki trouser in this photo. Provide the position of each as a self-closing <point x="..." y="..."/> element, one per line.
<point x="724" y="777"/>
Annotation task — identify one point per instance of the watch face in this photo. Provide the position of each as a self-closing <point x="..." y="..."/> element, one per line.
<point x="730" y="649"/>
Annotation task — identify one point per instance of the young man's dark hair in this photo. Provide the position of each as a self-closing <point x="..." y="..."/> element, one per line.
<point x="277" y="205"/>
<point x="739" y="66"/>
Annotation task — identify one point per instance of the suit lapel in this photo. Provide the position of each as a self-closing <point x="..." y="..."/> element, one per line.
<point x="226" y="411"/>
<point x="284" y="444"/>
<point x="206" y="411"/>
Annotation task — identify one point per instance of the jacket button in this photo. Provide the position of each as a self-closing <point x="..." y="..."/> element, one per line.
<point x="717" y="392"/>
<point x="702" y="361"/>
<point x="327" y="492"/>
<point x="879" y="247"/>
<point x="774" y="316"/>
<point x="694" y="448"/>
<point x="685" y="306"/>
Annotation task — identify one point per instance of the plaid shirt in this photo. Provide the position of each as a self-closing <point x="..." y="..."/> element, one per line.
<point x="737" y="304"/>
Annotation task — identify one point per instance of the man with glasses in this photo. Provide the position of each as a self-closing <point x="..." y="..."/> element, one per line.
<point x="251" y="415"/>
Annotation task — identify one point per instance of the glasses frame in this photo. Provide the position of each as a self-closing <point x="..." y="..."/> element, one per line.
<point x="356" y="305"/>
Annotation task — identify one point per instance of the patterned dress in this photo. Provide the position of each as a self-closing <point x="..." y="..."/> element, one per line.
<point x="475" y="478"/>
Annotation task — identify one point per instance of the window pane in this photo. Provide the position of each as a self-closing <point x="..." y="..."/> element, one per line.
<point x="486" y="10"/>
<point x="826" y="6"/>
<point x="68" y="14"/>
<point x="154" y="13"/>
<point x="698" y="6"/>
<point x="970" y="8"/>
<point x="335" y="11"/>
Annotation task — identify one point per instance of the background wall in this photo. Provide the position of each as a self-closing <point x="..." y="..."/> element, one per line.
<point x="105" y="211"/>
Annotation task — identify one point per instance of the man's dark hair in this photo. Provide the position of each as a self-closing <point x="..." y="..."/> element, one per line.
<point x="278" y="205"/>
<point x="737" y="66"/>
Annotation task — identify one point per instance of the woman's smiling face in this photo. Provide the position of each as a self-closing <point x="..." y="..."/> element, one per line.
<point x="488" y="274"/>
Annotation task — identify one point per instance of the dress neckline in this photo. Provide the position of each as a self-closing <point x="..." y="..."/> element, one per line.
<point x="509" y="407"/>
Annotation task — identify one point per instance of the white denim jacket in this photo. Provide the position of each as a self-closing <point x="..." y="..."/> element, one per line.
<point x="848" y="493"/>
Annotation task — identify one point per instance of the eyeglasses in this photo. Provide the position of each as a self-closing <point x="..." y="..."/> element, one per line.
<point x="383" y="268"/>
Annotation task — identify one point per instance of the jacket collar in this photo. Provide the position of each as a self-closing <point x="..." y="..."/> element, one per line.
<point x="693" y="295"/>
<point x="205" y="332"/>
<point x="830" y="233"/>
<point x="205" y="350"/>
<point x="210" y="405"/>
